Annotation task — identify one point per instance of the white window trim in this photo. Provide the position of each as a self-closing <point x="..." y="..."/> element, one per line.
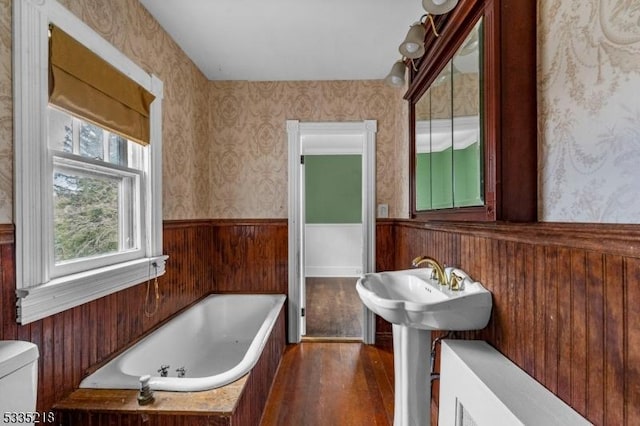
<point x="40" y="296"/>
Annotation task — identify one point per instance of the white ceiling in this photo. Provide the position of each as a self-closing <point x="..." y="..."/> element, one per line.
<point x="288" y="39"/>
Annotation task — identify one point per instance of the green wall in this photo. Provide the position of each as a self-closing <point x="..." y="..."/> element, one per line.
<point x="333" y="188"/>
<point x="466" y="179"/>
<point x="436" y="183"/>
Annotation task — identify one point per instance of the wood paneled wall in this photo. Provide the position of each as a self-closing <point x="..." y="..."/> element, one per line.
<point x="204" y="257"/>
<point x="566" y="303"/>
<point x="566" y="299"/>
<point x="385" y="261"/>
<point x="250" y="256"/>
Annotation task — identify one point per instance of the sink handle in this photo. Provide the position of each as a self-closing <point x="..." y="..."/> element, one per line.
<point x="456" y="281"/>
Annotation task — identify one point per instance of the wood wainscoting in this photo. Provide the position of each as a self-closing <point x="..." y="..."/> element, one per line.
<point x="566" y="302"/>
<point x="386" y="261"/>
<point x="566" y="299"/>
<point x="205" y="256"/>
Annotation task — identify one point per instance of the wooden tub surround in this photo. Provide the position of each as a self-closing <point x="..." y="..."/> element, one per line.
<point x="233" y="256"/>
<point x="84" y="404"/>
<point x="238" y="403"/>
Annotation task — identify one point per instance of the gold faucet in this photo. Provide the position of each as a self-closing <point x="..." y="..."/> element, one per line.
<point x="456" y="281"/>
<point x="437" y="268"/>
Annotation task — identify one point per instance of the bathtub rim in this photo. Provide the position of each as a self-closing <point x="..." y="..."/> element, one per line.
<point x="174" y="384"/>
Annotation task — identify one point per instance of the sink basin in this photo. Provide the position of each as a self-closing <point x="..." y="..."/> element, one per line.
<point x="410" y="298"/>
<point x="415" y="304"/>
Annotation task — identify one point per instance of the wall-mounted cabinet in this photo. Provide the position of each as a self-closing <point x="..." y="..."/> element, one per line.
<point x="472" y="98"/>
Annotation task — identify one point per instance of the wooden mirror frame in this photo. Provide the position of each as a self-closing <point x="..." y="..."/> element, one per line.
<point x="509" y="94"/>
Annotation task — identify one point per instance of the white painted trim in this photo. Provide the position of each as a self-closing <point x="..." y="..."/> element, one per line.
<point x="494" y="391"/>
<point x="30" y="87"/>
<point x="295" y="131"/>
<point x="294" y="334"/>
<point x="154" y="182"/>
<point x="78" y="289"/>
<point x="343" y="144"/>
<point x="38" y="294"/>
<point x="333" y="271"/>
<point x="369" y="220"/>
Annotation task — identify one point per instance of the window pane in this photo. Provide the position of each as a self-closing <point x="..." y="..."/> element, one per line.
<point x="91" y="141"/>
<point x="60" y="131"/>
<point x="75" y="136"/>
<point x="86" y="221"/>
<point x="117" y="150"/>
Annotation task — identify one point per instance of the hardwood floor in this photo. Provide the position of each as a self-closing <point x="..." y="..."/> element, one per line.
<point x="338" y="384"/>
<point x="333" y="307"/>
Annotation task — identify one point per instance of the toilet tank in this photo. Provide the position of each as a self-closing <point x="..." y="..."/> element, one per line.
<point x="18" y="377"/>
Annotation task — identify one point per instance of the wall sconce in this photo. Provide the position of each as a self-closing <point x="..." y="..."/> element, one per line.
<point x="395" y="78"/>
<point x="439" y="7"/>
<point x="413" y="45"/>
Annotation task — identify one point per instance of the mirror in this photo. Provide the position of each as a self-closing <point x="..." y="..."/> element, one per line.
<point x="448" y="144"/>
<point x="423" y="148"/>
<point x="467" y="141"/>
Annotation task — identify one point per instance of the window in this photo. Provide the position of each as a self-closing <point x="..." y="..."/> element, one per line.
<point x="97" y="193"/>
<point x="88" y="206"/>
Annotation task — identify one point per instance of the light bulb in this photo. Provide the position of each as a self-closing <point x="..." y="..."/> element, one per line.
<point x="411" y="47"/>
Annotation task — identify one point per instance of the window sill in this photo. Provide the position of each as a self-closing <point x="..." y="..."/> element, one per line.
<point x="63" y="293"/>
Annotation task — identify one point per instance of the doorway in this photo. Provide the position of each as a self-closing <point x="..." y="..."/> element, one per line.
<point x="343" y="140"/>
<point x="331" y="193"/>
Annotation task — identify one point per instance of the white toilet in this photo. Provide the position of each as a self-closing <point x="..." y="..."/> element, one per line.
<point x="18" y="379"/>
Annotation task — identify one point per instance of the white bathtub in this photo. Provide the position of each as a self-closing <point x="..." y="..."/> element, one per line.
<point x="217" y="341"/>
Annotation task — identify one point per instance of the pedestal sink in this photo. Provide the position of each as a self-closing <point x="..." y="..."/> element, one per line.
<point x="415" y="304"/>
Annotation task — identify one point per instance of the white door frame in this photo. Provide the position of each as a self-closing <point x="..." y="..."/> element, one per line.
<point x="295" y="131"/>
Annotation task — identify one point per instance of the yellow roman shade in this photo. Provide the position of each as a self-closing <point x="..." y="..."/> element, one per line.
<point x="85" y="85"/>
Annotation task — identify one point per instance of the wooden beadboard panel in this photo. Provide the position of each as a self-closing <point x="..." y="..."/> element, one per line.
<point x="566" y="302"/>
<point x="201" y="253"/>
<point x="250" y="256"/>
<point x="6" y="233"/>
<point x="250" y="408"/>
<point x="561" y="293"/>
<point x="111" y="419"/>
<point x="385" y="261"/>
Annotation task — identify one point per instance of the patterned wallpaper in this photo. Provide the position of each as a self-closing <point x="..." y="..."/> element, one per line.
<point x="225" y="142"/>
<point x="129" y="27"/>
<point x="6" y="115"/>
<point x="466" y="98"/>
<point x="249" y="156"/>
<point x="589" y="110"/>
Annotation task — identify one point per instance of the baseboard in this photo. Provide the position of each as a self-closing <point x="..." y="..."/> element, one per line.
<point x="333" y="271"/>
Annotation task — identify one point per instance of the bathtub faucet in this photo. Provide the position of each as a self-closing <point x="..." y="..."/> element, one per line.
<point x="164" y="370"/>
<point x="438" y="270"/>
<point x="181" y="371"/>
